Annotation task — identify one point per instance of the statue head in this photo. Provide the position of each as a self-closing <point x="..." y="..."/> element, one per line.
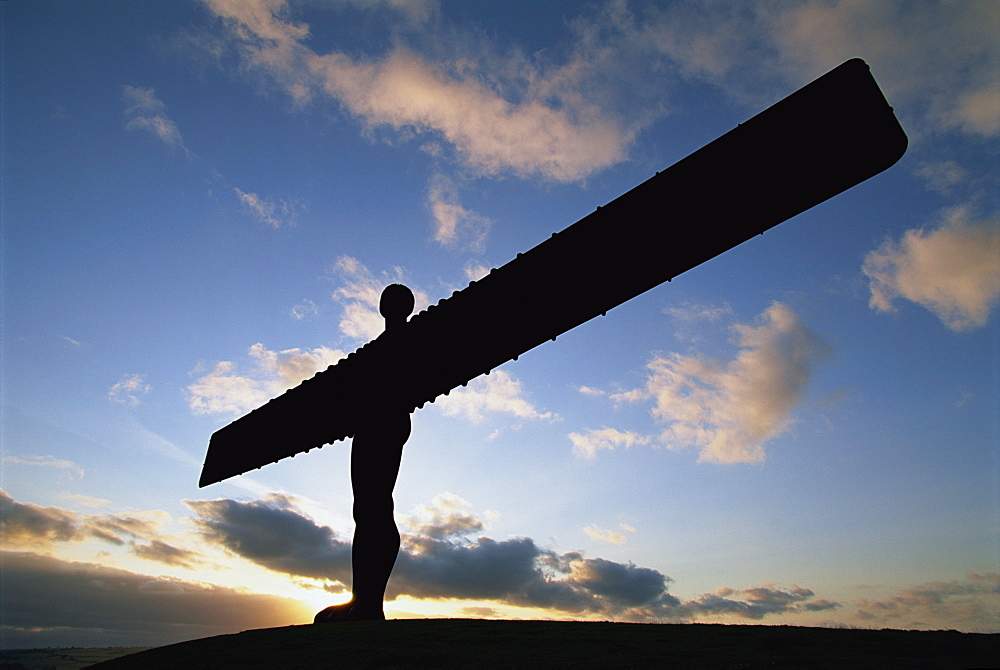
<point x="395" y="305"/>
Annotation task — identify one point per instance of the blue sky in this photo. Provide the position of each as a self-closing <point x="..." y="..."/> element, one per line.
<point x="202" y="201"/>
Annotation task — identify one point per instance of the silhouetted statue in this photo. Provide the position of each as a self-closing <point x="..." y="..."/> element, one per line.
<point x="383" y="428"/>
<point x="823" y="139"/>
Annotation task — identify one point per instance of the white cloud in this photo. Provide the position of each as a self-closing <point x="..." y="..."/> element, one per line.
<point x="454" y="225"/>
<point x="128" y="389"/>
<point x="729" y="410"/>
<point x="631" y="395"/>
<point x="496" y="392"/>
<point x="224" y="391"/>
<point x="953" y="270"/>
<point x="475" y="271"/>
<point x="360" y="295"/>
<point x="276" y="215"/>
<point x="447" y="515"/>
<point x="574" y="109"/>
<point x="146" y="112"/>
<point x="490" y="134"/>
<point x="586" y="445"/>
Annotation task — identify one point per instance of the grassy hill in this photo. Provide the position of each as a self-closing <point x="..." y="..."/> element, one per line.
<point x="72" y="658"/>
<point x="442" y="643"/>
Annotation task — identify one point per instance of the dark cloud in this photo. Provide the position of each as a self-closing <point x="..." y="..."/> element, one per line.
<point x="273" y="533"/>
<point x="621" y="582"/>
<point x="439" y="561"/>
<point x="50" y="602"/>
<point x="25" y="524"/>
<point x="436" y="561"/>
<point x="819" y="605"/>
<point x="753" y="603"/>
<point x="30" y="524"/>
<point x="161" y="552"/>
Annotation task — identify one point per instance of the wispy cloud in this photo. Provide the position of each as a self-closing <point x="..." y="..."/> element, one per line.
<point x="952" y="269"/>
<point x="690" y="312"/>
<point x="304" y="310"/>
<point x="86" y="501"/>
<point x="940" y="61"/>
<point x="938" y="65"/>
<point x="280" y="214"/>
<point x="567" y="114"/>
<point x="71" y="343"/>
<point x="942" y="176"/>
<point x="226" y="391"/>
<point x="144" y="111"/>
<point x="571" y="111"/>
<point x="454" y="225"/>
<point x="498" y="113"/>
<point x="71" y="468"/>
<point x="970" y="603"/>
<point x="128" y="389"/>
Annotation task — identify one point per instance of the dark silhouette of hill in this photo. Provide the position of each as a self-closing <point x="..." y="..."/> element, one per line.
<point x="471" y="643"/>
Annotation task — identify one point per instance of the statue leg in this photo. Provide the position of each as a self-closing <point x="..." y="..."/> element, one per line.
<point x="375" y="457"/>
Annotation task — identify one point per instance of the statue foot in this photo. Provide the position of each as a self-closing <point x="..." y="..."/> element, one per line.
<point x="349" y="611"/>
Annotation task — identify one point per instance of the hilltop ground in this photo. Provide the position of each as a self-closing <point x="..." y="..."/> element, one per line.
<point x="539" y="644"/>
